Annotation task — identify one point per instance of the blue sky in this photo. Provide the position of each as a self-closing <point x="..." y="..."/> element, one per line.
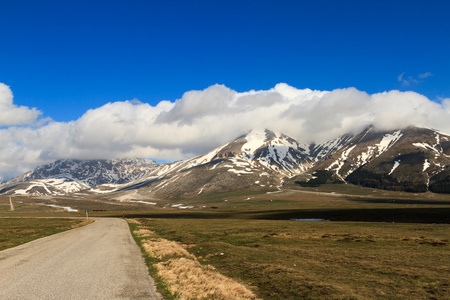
<point x="206" y="72"/>
<point x="65" y="57"/>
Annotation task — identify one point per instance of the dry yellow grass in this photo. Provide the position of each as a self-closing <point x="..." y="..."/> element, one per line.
<point x="161" y="248"/>
<point x="144" y="233"/>
<point x="186" y="277"/>
<point x="190" y="280"/>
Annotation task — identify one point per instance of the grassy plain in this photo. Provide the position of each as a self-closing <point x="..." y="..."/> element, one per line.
<point x="378" y="245"/>
<point x="327" y="260"/>
<point x="17" y="231"/>
<point x="179" y="274"/>
<point x="348" y="204"/>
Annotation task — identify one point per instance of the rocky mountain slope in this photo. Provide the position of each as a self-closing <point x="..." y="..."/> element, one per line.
<point x="94" y="172"/>
<point x="411" y="159"/>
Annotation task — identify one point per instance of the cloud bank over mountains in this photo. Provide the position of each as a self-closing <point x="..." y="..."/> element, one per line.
<point x="201" y="121"/>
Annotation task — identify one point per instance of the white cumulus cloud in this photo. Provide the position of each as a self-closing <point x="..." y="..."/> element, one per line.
<point x="202" y="120"/>
<point x="10" y="114"/>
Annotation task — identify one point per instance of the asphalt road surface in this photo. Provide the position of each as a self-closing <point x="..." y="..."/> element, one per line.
<point x="97" y="261"/>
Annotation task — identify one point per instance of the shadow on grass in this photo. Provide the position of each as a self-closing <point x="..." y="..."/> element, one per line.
<point x="398" y="215"/>
<point x="400" y="201"/>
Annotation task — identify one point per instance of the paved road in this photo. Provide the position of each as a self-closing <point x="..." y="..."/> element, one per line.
<point x="97" y="261"/>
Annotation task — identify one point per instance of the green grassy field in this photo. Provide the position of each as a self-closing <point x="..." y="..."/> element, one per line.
<point x="326" y="260"/>
<point x="17" y="231"/>
<point x="339" y="202"/>
<point x="379" y="206"/>
<point x="378" y="245"/>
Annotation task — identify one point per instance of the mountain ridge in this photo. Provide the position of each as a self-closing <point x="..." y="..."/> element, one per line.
<point x="410" y="159"/>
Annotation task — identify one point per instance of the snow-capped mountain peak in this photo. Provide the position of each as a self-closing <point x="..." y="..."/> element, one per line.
<point x="255" y="140"/>
<point x="279" y="143"/>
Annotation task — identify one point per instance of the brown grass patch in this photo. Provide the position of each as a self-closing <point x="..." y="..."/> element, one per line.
<point x="144" y="233"/>
<point x="424" y="241"/>
<point x="186" y="277"/>
<point x="161" y="248"/>
<point x="190" y="280"/>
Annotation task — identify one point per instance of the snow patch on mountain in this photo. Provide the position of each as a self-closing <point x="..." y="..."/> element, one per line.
<point x="387" y="141"/>
<point x="239" y="172"/>
<point x="33" y="185"/>
<point x="427" y="146"/>
<point x="57" y="185"/>
<point x="254" y="140"/>
<point x="396" y="164"/>
<point x="426" y="165"/>
<point x="320" y="151"/>
<point x="339" y="163"/>
<point x="66" y="208"/>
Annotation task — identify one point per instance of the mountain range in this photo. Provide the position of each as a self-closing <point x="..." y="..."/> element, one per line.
<point x="68" y="176"/>
<point x="411" y="159"/>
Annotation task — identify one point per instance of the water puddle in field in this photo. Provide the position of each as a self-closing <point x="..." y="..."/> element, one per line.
<point x="311" y="220"/>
